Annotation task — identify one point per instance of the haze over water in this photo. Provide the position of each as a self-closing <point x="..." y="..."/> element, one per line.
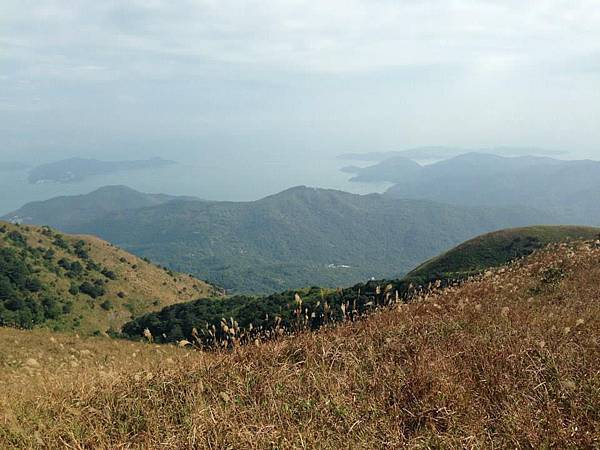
<point x="217" y="178"/>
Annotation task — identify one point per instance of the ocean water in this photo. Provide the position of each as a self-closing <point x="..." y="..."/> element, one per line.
<point x="232" y="178"/>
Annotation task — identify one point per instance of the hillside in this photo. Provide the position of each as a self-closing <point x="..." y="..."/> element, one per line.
<point x="506" y="360"/>
<point x="392" y="169"/>
<point x="298" y="237"/>
<point x="568" y="190"/>
<point x="256" y="316"/>
<point x="67" y="213"/>
<point x="80" y="283"/>
<point x="495" y="249"/>
<point x="467" y="167"/>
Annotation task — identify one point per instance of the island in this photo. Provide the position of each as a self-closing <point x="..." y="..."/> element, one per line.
<point x="77" y="169"/>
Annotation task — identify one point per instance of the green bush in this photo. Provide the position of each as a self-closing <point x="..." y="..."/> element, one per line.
<point x="93" y="290"/>
<point x="17" y="238"/>
<point x="109" y="274"/>
<point x="106" y="305"/>
<point x="52" y="308"/>
<point x="33" y="285"/>
<point x="60" y="242"/>
<point x="80" y="250"/>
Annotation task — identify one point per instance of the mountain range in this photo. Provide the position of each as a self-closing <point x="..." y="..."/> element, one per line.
<point x="299" y="237"/>
<point x="445" y="152"/>
<point x="568" y="190"/>
<point x="69" y="213"/>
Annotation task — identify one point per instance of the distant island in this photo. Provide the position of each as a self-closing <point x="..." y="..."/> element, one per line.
<point x="440" y="152"/>
<point x="77" y="169"/>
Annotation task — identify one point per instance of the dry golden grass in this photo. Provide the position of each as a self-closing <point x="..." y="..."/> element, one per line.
<point x="511" y="360"/>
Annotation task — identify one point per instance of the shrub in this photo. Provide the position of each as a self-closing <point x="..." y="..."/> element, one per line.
<point x="81" y="253"/>
<point x="91" y="265"/>
<point x="33" y="285"/>
<point x="7" y="290"/>
<point x="93" y="290"/>
<point x="52" y="308"/>
<point x="13" y="267"/>
<point x="48" y="255"/>
<point x="106" y="305"/>
<point x="75" y="270"/>
<point x="17" y="238"/>
<point x="109" y="274"/>
<point x="60" y="242"/>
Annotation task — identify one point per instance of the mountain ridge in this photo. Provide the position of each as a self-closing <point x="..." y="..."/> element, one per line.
<point x="66" y="212"/>
<point x="298" y="237"/>
<point x="567" y="190"/>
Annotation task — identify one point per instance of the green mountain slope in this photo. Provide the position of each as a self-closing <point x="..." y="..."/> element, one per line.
<point x="80" y="282"/>
<point x="566" y="189"/>
<point x="299" y="237"/>
<point x="67" y="213"/>
<point x="311" y="307"/>
<point x="494" y="249"/>
<point x="392" y="169"/>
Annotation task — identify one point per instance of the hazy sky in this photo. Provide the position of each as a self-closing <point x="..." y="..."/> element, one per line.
<point x="173" y="78"/>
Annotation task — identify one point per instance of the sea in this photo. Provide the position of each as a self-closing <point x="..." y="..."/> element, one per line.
<point x="229" y="179"/>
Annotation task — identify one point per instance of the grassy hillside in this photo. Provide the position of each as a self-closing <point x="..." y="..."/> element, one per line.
<point x="80" y="283"/>
<point x="509" y="360"/>
<point x="495" y="249"/>
<point x="299" y="237"/>
<point x="254" y="317"/>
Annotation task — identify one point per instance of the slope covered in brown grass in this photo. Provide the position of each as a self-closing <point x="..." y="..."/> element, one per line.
<point x="509" y="360"/>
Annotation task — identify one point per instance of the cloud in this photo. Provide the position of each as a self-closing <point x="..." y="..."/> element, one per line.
<point x="299" y="35"/>
<point x="367" y="72"/>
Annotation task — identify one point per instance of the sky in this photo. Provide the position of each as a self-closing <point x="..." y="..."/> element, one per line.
<point x="198" y="78"/>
